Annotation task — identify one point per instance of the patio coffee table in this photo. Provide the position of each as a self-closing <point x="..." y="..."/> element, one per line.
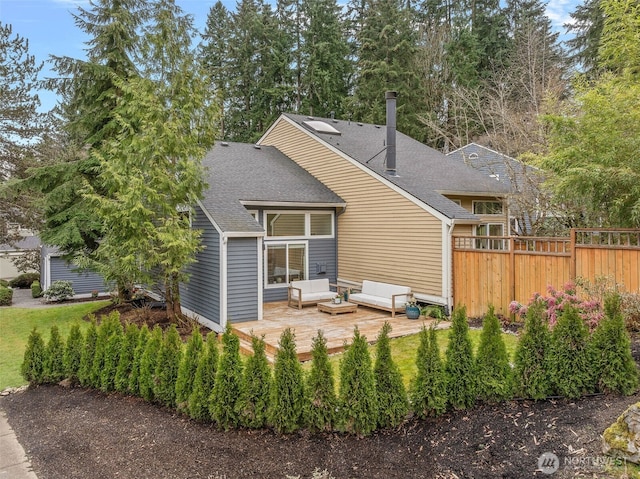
<point x="333" y="308"/>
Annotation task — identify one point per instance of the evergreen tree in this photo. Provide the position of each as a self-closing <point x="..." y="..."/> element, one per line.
<point x="570" y="362"/>
<point x="495" y="377"/>
<point x="391" y="394"/>
<point x="188" y="367"/>
<point x="127" y="354"/>
<point x="587" y="23"/>
<point x="54" y="371"/>
<point x="107" y="328"/>
<point x="460" y="370"/>
<point x="111" y="361"/>
<point x="616" y="370"/>
<point x="73" y="353"/>
<point x="287" y="392"/>
<point x="166" y="370"/>
<point x="428" y="391"/>
<point x="88" y="353"/>
<point x="256" y="387"/>
<point x="204" y="380"/>
<point x="134" y="377"/>
<point x="321" y="402"/>
<point x="223" y="402"/>
<point x="148" y="361"/>
<point x="531" y="361"/>
<point x="35" y="357"/>
<point x="358" y="405"/>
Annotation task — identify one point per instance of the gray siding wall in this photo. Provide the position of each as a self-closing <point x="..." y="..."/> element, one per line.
<point x="242" y="279"/>
<point x="321" y="251"/>
<point x="202" y="293"/>
<point x="82" y="282"/>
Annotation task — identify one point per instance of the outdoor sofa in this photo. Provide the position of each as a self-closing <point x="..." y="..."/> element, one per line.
<point x="311" y="291"/>
<point x="385" y="296"/>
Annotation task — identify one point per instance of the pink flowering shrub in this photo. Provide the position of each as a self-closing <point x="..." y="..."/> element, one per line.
<point x="556" y="301"/>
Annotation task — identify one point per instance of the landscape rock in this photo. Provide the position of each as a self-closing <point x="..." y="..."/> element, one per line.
<point x="622" y="438"/>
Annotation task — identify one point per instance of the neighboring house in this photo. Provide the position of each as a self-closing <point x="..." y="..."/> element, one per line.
<point x="526" y="202"/>
<point x="53" y="267"/>
<point x="27" y="245"/>
<point x="331" y="198"/>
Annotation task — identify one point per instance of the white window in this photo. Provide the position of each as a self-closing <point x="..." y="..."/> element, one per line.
<point x="285" y="262"/>
<point x="487" y="207"/>
<point x="299" y="224"/>
<point x="490" y="229"/>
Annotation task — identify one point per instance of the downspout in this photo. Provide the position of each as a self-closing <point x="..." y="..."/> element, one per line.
<point x="335" y="226"/>
<point x="449" y="265"/>
<point x="223" y="281"/>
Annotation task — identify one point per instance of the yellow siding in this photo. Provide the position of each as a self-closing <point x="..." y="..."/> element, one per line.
<point x="382" y="236"/>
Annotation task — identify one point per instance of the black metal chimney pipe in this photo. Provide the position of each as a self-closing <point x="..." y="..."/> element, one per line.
<point x="390" y="167"/>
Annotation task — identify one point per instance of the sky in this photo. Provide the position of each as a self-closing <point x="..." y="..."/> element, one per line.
<point x="50" y="28"/>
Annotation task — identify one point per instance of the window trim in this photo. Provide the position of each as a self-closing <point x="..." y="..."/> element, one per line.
<point x="307" y="224"/>
<point x="475" y="202"/>
<point x="486" y="238"/>
<point x="284" y="284"/>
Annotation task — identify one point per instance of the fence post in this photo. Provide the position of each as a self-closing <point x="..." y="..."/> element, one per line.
<point x="572" y="262"/>
<point x="512" y="270"/>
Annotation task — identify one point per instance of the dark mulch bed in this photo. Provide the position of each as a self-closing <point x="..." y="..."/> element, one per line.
<point x="77" y="433"/>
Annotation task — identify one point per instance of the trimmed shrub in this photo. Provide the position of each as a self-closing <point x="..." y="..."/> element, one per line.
<point x="495" y="376"/>
<point x="223" y="403"/>
<point x="531" y="373"/>
<point x="4" y="283"/>
<point x="125" y="362"/>
<point x="54" y="371"/>
<point x="391" y="395"/>
<point x="59" y="291"/>
<point x="36" y="289"/>
<point x="428" y="392"/>
<point x="616" y="370"/>
<point x="256" y="387"/>
<point x="287" y="394"/>
<point x="88" y="354"/>
<point x="73" y="353"/>
<point x="321" y="400"/>
<point x="24" y="281"/>
<point x="6" y="296"/>
<point x="204" y="380"/>
<point x="107" y="327"/>
<point x="134" y="377"/>
<point x="570" y="364"/>
<point x="166" y="373"/>
<point x="459" y="367"/>
<point x="188" y="367"/>
<point x="358" y="405"/>
<point x="112" y="357"/>
<point x="33" y="364"/>
<point x="148" y="362"/>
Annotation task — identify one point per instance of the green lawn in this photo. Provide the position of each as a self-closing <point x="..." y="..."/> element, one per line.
<point x="17" y="323"/>
<point x="404" y="351"/>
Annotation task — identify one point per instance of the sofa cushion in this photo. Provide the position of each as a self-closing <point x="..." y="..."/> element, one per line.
<point x="320" y="285"/>
<point x="386" y="290"/>
<point x="375" y="301"/>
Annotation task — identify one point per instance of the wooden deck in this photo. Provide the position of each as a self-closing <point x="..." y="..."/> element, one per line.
<point x="338" y="329"/>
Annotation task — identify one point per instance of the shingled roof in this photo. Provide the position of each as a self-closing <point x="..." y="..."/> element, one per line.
<point x="240" y="174"/>
<point x="423" y="172"/>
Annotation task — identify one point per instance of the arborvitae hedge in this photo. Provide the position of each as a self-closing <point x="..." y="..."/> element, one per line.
<point x="428" y="390"/>
<point x="460" y="368"/>
<point x="134" y="378"/>
<point x="223" y="403"/>
<point x="204" y="380"/>
<point x="531" y="374"/>
<point x="358" y="404"/>
<point x="73" y="353"/>
<point x="256" y="387"/>
<point x="391" y="395"/>
<point x="495" y="376"/>
<point x="570" y="364"/>
<point x="111" y="357"/>
<point x="187" y="370"/>
<point x="321" y="402"/>
<point x="616" y="370"/>
<point x="126" y="361"/>
<point x="88" y="353"/>
<point x="33" y="364"/>
<point x="54" y="371"/>
<point x="148" y="362"/>
<point x="166" y="372"/>
<point x="107" y="327"/>
<point x="287" y="395"/>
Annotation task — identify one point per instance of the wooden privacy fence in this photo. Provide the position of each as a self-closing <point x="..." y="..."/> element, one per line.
<point x="497" y="270"/>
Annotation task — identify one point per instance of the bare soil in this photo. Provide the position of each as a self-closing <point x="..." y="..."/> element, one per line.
<point x="78" y="433"/>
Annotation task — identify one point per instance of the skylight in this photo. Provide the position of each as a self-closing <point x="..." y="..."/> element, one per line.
<point x="320" y="127"/>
